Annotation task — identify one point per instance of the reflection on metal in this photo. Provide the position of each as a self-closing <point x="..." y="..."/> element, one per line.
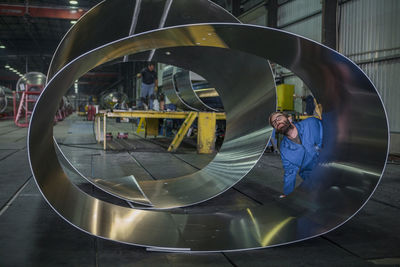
<point x="28" y="89"/>
<point x="331" y="196"/>
<point x="207" y="92"/>
<point x="6" y="100"/>
<point x="109" y="99"/>
<point x="170" y="90"/>
<point x="186" y="92"/>
<point x="177" y="192"/>
<point x="32" y="82"/>
<point x="177" y="86"/>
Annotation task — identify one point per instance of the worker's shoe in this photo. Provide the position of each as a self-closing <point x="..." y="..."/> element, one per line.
<point x="282" y="196"/>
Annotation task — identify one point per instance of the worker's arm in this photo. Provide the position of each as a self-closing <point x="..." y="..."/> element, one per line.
<point x="139" y="75"/>
<point x="289" y="178"/>
<point x="315" y="126"/>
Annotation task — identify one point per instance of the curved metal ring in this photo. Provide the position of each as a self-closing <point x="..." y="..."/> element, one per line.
<point x="212" y="180"/>
<point x="178" y="87"/>
<point x="169" y="89"/>
<point x="187" y="92"/>
<point x="343" y="181"/>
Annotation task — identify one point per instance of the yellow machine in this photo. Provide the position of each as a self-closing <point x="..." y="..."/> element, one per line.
<point x="285" y="93"/>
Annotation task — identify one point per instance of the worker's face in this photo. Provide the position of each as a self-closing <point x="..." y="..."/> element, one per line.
<point x="280" y="123"/>
<point x="151" y="67"/>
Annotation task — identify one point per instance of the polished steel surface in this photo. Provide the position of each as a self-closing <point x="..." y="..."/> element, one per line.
<point x="95" y="26"/>
<point x="125" y="188"/>
<point x="206" y="183"/>
<point x="177" y="86"/>
<point x="258" y="99"/>
<point x="109" y="99"/>
<point x="169" y="88"/>
<point x="32" y="79"/>
<point x="133" y="18"/>
<point x="187" y="93"/>
<point x="349" y="169"/>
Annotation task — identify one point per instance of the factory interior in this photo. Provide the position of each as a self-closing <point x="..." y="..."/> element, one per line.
<point x="159" y="133"/>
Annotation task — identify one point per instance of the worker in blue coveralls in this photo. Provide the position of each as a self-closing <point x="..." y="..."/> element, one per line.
<point x="299" y="148"/>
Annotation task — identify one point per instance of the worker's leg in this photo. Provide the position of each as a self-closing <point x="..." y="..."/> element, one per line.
<point x="151" y="95"/>
<point x="144" y="91"/>
<point x="289" y="184"/>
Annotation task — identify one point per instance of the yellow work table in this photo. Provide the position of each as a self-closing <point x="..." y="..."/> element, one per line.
<point x="206" y="125"/>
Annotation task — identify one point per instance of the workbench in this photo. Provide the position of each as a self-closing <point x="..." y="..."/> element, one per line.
<point x="206" y="125"/>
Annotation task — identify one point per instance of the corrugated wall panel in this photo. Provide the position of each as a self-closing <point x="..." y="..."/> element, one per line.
<point x="385" y="77"/>
<point x="310" y="28"/>
<point x="369" y="29"/>
<point x="298" y="9"/>
<point x="251" y="3"/>
<point x="257" y="16"/>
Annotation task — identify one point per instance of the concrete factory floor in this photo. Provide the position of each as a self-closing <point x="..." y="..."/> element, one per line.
<point x="32" y="234"/>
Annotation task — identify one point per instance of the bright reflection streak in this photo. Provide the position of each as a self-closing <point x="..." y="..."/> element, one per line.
<point x="123" y="223"/>
<point x="256" y="227"/>
<point x="95" y="216"/>
<point x="271" y="234"/>
<point x="274" y="231"/>
<point x="347" y="167"/>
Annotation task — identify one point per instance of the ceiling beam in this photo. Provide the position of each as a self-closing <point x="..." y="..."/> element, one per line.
<point x="41" y="12"/>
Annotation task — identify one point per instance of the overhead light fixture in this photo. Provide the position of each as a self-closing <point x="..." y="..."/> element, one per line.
<point x="7" y="66"/>
<point x="2" y="46"/>
<point x="73" y="21"/>
<point x="72" y="2"/>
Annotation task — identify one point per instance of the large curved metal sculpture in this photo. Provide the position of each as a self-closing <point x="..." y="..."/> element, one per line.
<point x="349" y="169"/>
<point x="181" y="191"/>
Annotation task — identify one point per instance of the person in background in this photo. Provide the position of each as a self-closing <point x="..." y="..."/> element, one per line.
<point x="310" y="105"/>
<point x="299" y="148"/>
<point x="149" y="84"/>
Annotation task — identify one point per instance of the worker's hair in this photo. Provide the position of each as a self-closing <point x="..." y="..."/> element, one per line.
<point x="274" y="113"/>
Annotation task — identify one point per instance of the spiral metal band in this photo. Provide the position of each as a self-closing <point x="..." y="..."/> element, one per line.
<point x="349" y="169"/>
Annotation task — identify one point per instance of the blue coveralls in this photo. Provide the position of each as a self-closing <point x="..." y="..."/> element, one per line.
<point x="301" y="157"/>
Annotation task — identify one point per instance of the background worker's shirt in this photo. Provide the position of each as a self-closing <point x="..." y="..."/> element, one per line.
<point x="301" y="157"/>
<point x="148" y="77"/>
